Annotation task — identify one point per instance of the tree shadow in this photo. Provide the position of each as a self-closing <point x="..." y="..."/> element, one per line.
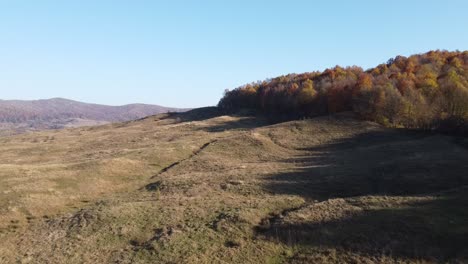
<point x="240" y="123"/>
<point x="387" y="163"/>
<point x="433" y="231"/>
<point x="380" y="162"/>
<point x="197" y="114"/>
<point x="242" y="120"/>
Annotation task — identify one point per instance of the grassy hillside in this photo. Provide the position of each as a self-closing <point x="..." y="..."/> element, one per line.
<point x="200" y="187"/>
<point x="425" y="91"/>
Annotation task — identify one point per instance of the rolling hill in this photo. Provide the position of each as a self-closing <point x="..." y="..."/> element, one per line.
<point x="19" y="116"/>
<point x="203" y="187"/>
<point x="353" y="169"/>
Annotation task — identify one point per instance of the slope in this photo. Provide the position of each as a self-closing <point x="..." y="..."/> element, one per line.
<point x="199" y="187"/>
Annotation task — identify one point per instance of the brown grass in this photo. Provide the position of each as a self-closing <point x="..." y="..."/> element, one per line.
<point x="203" y="188"/>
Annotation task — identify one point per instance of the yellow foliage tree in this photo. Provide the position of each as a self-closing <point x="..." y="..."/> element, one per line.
<point x="307" y="92"/>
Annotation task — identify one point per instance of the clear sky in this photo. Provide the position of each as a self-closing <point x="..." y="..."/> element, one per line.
<point x="185" y="53"/>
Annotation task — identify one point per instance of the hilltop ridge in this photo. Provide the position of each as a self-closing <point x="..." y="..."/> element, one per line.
<point x="22" y="115"/>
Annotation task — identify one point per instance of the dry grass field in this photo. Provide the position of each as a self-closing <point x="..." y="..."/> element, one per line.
<point x="200" y="187"/>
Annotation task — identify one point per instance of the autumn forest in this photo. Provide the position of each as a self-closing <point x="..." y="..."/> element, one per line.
<point x="426" y="91"/>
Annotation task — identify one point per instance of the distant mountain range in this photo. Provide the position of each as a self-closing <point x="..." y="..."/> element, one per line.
<point x="17" y="116"/>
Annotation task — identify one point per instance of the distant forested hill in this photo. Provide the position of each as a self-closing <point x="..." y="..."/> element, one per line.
<point x="20" y="116"/>
<point x="424" y="91"/>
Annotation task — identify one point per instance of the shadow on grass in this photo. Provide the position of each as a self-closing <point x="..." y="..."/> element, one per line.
<point x="435" y="231"/>
<point x="390" y="163"/>
<point x="238" y="124"/>
<point x="246" y="120"/>
<point x="198" y="114"/>
<point x="387" y="163"/>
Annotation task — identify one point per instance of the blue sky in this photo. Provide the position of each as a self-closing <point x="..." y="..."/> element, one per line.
<point x="185" y="53"/>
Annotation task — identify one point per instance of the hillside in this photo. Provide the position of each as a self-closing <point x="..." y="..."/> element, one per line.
<point x="424" y="91"/>
<point x="202" y="187"/>
<point x="19" y="116"/>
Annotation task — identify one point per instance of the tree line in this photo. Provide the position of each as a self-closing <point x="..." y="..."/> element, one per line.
<point x="424" y="91"/>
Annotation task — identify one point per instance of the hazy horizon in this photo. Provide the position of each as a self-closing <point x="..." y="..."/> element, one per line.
<point x="185" y="54"/>
<point x="71" y="99"/>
